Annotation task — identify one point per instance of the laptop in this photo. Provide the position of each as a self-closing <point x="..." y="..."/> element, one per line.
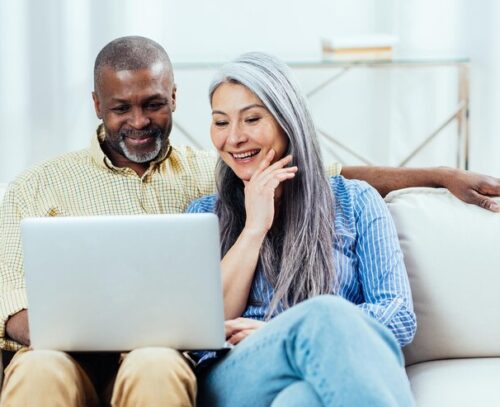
<point x="116" y="283"/>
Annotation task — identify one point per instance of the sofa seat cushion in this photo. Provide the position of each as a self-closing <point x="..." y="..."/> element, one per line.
<point x="456" y="382"/>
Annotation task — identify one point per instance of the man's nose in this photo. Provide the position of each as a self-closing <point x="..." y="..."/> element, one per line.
<point x="138" y="120"/>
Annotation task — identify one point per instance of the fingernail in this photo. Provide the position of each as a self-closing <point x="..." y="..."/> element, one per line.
<point x="494" y="206"/>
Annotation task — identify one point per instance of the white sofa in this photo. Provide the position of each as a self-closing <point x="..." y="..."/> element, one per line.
<point x="452" y="253"/>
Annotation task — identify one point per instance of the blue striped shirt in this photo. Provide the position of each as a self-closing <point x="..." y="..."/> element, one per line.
<point x="368" y="261"/>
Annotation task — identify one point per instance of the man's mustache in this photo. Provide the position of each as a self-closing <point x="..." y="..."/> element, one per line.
<point x="138" y="134"/>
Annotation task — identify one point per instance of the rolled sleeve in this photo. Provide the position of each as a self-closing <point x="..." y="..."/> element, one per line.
<point x="386" y="288"/>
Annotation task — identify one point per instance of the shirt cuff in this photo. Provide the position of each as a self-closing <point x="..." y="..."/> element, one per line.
<point x="385" y="311"/>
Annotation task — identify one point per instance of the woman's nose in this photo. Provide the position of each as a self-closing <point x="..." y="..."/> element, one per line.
<point x="236" y="135"/>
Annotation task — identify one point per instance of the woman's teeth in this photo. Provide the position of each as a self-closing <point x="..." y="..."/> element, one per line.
<point x="247" y="154"/>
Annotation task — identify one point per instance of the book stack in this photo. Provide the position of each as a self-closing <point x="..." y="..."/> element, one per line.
<point x="360" y="48"/>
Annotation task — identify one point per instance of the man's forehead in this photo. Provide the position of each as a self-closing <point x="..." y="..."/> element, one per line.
<point x="155" y="78"/>
<point x="155" y="71"/>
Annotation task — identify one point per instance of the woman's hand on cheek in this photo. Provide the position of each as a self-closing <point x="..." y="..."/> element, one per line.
<point x="261" y="189"/>
<point x="239" y="328"/>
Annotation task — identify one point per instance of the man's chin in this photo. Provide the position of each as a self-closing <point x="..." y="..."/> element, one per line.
<point x="143" y="157"/>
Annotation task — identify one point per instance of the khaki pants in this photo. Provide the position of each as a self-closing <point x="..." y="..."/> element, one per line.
<point x="143" y="377"/>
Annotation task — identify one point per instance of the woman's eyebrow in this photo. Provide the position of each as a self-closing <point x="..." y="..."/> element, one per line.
<point x="252" y="106"/>
<point x="242" y="109"/>
<point x="219" y="112"/>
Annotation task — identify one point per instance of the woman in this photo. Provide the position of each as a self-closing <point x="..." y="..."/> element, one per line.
<point x="316" y="295"/>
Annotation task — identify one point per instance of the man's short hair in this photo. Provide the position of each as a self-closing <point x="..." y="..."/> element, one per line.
<point x="129" y="53"/>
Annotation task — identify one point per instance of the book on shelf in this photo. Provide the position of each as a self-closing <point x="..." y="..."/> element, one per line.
<point x="360" y="48"/>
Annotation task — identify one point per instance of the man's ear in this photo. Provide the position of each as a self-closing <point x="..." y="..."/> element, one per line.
<point x="97" y="105"/>
<point x="174" y="96"/>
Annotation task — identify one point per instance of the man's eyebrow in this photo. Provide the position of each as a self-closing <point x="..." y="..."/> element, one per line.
<point x="149" y="98"/>
<point x="156" y="96"/>
<point x="242" y="109"/>
<point x="118" y="100"/>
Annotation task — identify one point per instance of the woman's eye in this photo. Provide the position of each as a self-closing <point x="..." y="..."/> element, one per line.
<point x="252" y="119"/>
<point x="220" y="123"/>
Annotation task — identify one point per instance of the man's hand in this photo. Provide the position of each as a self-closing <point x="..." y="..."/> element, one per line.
<point x="468" y="186"/>
<point x="474" y="188"/>
<point x="239" y="328"/>
<point x="17" y="328"/>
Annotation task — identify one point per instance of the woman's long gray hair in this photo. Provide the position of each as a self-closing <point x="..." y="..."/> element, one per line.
<point x="298" y="260"/>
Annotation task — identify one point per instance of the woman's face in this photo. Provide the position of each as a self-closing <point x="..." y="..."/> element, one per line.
<point x="243" y="131"/>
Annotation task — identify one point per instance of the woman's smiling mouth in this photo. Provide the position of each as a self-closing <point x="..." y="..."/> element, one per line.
<point x="245" y="155"/>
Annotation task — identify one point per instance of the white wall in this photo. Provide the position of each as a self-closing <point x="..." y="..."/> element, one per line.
<point x="47" y="51"/>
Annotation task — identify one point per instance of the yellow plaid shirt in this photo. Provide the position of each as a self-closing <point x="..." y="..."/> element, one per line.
<point x="86" y="183"/>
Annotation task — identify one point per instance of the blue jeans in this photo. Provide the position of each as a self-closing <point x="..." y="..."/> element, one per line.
<point x="322" y="352"/>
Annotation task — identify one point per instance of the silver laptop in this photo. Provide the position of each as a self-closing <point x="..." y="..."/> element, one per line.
<point x="115" y="283"/>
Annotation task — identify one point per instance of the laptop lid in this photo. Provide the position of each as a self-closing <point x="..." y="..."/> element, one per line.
<point x="113" y="283"/>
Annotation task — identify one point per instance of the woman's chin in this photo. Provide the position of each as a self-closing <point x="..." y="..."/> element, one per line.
<point x="244" y="175"/>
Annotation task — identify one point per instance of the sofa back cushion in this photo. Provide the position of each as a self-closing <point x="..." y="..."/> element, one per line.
<point x="452" y="254"/>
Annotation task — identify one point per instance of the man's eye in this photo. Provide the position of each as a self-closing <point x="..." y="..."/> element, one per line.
<point x="120" y="109"/>
<point x="155" y="105"/>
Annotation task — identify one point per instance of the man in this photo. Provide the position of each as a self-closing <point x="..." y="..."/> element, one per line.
<point x="130" y="168"/>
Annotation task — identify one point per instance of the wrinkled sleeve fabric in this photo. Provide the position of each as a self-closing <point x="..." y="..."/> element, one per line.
<point x="12" y="286"/>
<point x="205" y="204"/>
<point x="381" y="268"/>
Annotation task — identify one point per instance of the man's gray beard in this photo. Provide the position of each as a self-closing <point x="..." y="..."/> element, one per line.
<point x="141" y="158"/>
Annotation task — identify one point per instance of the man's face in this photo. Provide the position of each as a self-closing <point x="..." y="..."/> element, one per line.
<point x="136" y="108"/>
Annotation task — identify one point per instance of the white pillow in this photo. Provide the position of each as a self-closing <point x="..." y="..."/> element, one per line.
<point x="452" y="254"/>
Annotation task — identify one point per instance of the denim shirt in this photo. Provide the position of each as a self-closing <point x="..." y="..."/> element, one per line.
<point x="368" y="261"/>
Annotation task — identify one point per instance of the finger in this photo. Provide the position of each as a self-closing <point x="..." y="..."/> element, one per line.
<point x="272" y="182"/>
<point x="231" y="327"/>
<point x="483" y="201"/>
<point x="250" y="323"/>
<point x="279" y="175"/>
<point x="272" y="167"/>
<point x="238" y="324"/>
<point x="490" y="187"/>
<point x="265" y="163"/>
<point x="281" y="163"/>
<point x="237" y="338"/>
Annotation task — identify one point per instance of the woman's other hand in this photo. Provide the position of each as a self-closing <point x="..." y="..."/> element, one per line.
<point x="239" y="328"/>
<point x="262" y="190"/>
